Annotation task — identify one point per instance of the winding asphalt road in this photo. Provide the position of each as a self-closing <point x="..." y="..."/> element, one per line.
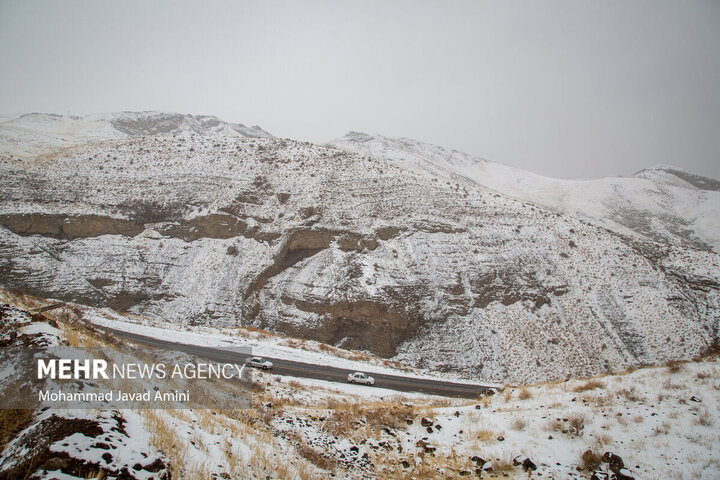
<point x="309" y="370"/>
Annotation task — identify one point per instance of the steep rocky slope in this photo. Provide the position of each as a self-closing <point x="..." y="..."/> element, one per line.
<point x="320" y="243"/>
<point x="662" y="204"/>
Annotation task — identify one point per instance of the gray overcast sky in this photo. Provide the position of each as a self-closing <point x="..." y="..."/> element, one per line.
<point x="572" y="88"/>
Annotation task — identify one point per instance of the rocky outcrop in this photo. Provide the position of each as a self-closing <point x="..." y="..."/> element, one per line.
<point x="69" y="227"/>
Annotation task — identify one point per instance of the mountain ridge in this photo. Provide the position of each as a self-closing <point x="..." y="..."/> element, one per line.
<point x="354" y="251"/>
<point x="646" y="204"/>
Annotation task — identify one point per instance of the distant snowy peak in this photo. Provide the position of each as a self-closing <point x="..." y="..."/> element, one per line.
<point x="663" y="204"/>
<point x="672" y="174"/>
<point x="404" y="150"/>
<point x="132" y="124"/>
<point x="152" y="123"/>
<point x="34" y="134"/>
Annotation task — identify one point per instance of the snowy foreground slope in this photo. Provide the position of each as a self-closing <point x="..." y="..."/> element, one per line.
<point x="319" y="243"/>
<point x="662" y="204"/>
<point x="653" y="423"/>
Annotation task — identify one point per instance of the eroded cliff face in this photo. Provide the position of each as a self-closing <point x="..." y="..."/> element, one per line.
<point x="318" y="243"/>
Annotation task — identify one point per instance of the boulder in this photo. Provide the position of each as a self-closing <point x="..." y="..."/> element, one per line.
<point x="615" y="463"/>
<point x="623" y="474"/>
<point x="426" y="422"/>
<point x="529" y="465"/>
<point x="155" y="466"/>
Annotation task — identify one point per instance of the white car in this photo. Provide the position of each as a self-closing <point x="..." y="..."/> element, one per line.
<point x="359" y="377"/>
<point x="259" y="362"/>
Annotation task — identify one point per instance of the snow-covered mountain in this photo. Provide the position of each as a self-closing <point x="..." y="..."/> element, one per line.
<point x="29" y="135"/>
<point x="663" y="204"/>
<point x="352" y="250"/>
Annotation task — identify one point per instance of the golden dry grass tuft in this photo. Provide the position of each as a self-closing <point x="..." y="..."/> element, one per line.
<point x="502" y="466"/>
<point x="317" y="458"/>
<point x="589" y="385"/>
<point x="589" y="460"/>
<point x="674" y="366"/>
<point x="630" y="394"/>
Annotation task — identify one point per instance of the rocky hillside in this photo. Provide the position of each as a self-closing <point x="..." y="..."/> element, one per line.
<point x="661" y="204"/>
<point x="321" y="243"/>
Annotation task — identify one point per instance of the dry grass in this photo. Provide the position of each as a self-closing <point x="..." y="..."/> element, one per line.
<point x="316" y="457"/>
<point x="518" y="424"/>
<point x="99" y="475"/>
<point x="21" y="300"/>
<point x="257" y="332"/>
<point x="502" y="466"/>
<point x="350" y="419"/>
<point x="589" y="460"/>
<point x="705" y="419"/>
<point x="524" y="394"/>
<point x="507" y="394"/>
<point x="669" y="385"/>
<point x="13" y="422"/>
<point x="164" y="437"/>
<point x="576" y="425"/>
<point x="481" y="436"/>
<point x="662" y="429"/>
<point x="589" y="385"/>
<point x="630" y="394"/>
<point x="601" y="441"/>
<point x="674" y="366"/>
<point x="596" y="400"/>
<point x="388" y="467"/>
<point x="556" y="425"/>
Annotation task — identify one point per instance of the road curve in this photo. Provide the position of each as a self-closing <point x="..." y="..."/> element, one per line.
<point x="309" y="370"/>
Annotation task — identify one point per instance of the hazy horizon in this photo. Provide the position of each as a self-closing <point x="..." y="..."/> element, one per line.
<point x="563" y="89"/>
